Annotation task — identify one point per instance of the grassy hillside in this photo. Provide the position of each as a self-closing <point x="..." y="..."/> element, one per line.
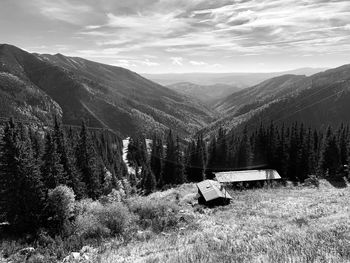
<point x="284" y="224"/>
<point x="293" y="224"/>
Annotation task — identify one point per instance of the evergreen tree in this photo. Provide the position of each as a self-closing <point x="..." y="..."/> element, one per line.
<point x="52" y="170"/>
<point x="179" y="168"/>
<point x="212" y="160"/>
<point x="73" y="178"/>
<point x="196" y="165"/>
<point x="293" y="154"/>
<point x="149" y="183"/>
<point x="88" y="164"/>
<point x="169" y="169"/>
<point x="330" y="158"/>
<point x="156" y="157"/>
<point x="23" y="192"/>
<point x="282" y="154"/>
<point x="244" y="151"/>
<point x="221" y="145"/>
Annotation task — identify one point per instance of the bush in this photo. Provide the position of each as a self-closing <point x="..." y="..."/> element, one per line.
<point x="116" y="217"/>
<point x="95" y="220"/>
<point x="312" y="181"/>
<point x="88" y="226"/>
<point x="159" y="215"/>
<point x="60" y="202"/>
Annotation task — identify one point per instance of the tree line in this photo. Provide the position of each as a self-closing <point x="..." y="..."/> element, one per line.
<point x="296" y="152"/>
<point x="33" y="162"/>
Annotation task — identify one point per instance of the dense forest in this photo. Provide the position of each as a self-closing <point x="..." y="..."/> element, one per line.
<point x="296" y="152"/>
<point x="90" y="163"/>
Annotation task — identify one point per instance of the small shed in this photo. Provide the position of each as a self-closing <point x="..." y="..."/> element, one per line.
<point x="251" y="177"/>
<point x="212" y="193"/>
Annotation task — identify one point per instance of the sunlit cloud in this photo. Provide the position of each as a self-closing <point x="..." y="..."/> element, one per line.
<point x="193" y="34"/>
<point x="177" y="60"/>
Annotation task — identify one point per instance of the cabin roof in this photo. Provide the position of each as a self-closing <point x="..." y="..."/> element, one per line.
<point x="212" y="190"/>
<point x="246" y="176"/>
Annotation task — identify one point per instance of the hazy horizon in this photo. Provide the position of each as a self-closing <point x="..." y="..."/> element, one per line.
<point x="186" y="36"/>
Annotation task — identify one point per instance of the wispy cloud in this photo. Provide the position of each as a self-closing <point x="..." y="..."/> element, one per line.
<point x="198" y="63"/>
<point x="177" y="60"/>
<point x="195" y="34"/>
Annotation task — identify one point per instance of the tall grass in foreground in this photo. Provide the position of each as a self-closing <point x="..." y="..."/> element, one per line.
<point x="274" y="225"/>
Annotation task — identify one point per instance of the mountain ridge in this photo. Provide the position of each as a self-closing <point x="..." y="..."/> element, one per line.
<point x="104" y="95"/>
<point x="318" y="100"/>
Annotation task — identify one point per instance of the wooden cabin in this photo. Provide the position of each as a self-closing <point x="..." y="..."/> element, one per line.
<point x="247" y="178"/>
<point x="212" y="193"/>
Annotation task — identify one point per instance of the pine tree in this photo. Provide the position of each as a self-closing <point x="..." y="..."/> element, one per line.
<point x="196" y="165"/>
<point x="244" y="151"/>
<point x="212" y="159"/>
<point x="168" y="174"/>
<point x="221" y="145"/>
<point x="149" y="183"/>
<point x="52" y="170"/>
<point x="88" y="164"/>
<point x="179" y="168"/>
<point x="23" y="192"/>
<point x="73" y="178"/>
<point x="330" y="158"/>
<point x="282" y="153"/>
<point x="293" y="154"/>
<point x="156" y="158"/>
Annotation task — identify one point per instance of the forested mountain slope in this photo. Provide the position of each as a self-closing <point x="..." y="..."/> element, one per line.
<point x="319" y="100"/>
<point x="103" y="95"/>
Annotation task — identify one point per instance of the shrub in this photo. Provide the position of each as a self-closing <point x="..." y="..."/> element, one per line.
<point x="88" y="226"/>
<point x="159" y="215"/>
<point x="95" y="220"/>
<point x="60" y="201"/>
<point x="312" y="181"/>
<point x="116" y="217"/>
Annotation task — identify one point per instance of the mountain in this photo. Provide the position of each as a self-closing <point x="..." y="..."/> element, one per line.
<point x="240" y="80"/>
<point x="208" y="94"/>
<point x="38" y="86"/>
<point x="319" y="100"/>
<point x="258" y="95"/>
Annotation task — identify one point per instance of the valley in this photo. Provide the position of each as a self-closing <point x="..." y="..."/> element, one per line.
<point x="106" y="164"/>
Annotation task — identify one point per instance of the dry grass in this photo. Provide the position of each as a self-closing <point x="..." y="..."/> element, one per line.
<point x="266" y="225"/>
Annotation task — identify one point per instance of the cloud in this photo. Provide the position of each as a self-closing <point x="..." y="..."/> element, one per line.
<point x="189" y="33"/>
<point x="177" y="60"/>
<point x="63" y="10"/>
<point x="198" y="63"/>
<point x="149" y="63"/>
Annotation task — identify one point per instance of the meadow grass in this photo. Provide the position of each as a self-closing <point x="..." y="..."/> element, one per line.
<point x="294" y="224"/>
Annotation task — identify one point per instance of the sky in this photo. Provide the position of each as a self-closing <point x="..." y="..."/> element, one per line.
<point x="176" y="36"/>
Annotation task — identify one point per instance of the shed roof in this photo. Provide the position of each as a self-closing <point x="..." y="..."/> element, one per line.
<point x="212" y="190"/>
<point x="246" y="176"/>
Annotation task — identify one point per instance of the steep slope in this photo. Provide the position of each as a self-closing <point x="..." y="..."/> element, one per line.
<point x="259" y="94"/>
<point x="325" y="102"/>
<point x="319" y="100"/>
<point x="19" y="97"/>
<point x="103" y="95"/>
<point x="208" y="94"/>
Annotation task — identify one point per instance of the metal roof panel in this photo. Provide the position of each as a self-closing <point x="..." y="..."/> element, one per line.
<point x="246" y="176"/>
<point x="211" y="190"/>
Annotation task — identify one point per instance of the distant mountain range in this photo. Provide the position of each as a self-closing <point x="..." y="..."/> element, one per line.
<point x="208" y="94"/>
<point x="240" y="80"/>
<point x="318" y="100"/>
<point x="37" y="86"/>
